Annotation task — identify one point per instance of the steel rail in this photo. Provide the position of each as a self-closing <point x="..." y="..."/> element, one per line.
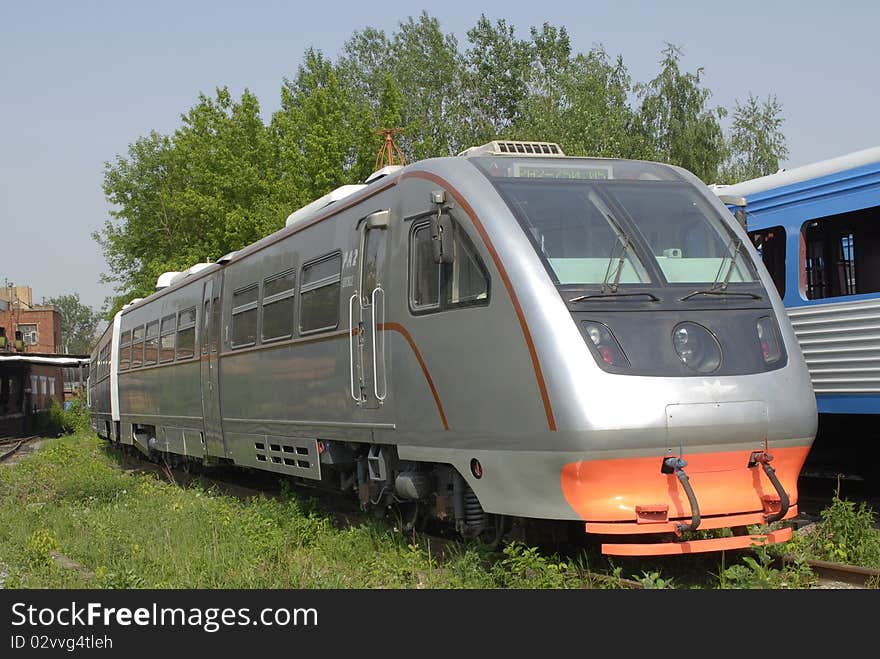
<point x="855" y="575"/>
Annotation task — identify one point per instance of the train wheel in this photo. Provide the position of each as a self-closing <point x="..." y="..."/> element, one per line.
<point x="493" y="536"/>
<point x="407" y="516"/>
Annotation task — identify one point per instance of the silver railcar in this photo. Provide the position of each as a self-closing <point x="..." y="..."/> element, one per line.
<point x="507" y="334"/>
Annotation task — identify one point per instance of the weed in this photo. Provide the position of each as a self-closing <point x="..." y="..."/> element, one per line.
<point x="40" y="546"/>
<point x="846" y="534"/>
<point x="757" y="572"/>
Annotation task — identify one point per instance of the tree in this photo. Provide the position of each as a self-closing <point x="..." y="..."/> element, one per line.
<point x="320" y="130"/>
<point x="757" y="143"/>
<point x="79" y="324"/>
<point x="497" y="78"/>
<point x="212" y="187"/>
<point x="429" y="72"/>
<point x="676" y="122"/>
<point x="225" y="179"/>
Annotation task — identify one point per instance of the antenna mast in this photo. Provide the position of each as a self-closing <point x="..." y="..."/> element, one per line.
<point x="388" y="150"/>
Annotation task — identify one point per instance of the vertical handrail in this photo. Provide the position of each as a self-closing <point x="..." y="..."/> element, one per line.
<point x="351" y="346"/>
<point x="375" y="371"/>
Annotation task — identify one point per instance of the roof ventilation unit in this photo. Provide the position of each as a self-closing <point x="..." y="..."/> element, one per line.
<point x="165" y="279"/>
<point x="310" y="210"/>
<point x="512" y="148"/>
<point x="385" y="171"/>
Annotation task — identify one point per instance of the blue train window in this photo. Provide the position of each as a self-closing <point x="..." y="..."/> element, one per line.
<point x="840" y="255"/>
<point x="770" y="244"/>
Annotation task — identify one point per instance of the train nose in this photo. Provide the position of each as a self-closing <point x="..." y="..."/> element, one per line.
<point x="637" y="496"/>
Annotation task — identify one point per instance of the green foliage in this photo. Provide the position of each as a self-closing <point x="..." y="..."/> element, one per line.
<point x="757" y="572"/>
<point x="226" y="178"/>
<point x="846" y="534"/>
<point x="654" y="581"/>
<point x="526" y="567"/>
<point x="675" y="119"/>
<point x="79" y="323"/>
<point x="756" y="142"/>
<point x="40" y="545"/>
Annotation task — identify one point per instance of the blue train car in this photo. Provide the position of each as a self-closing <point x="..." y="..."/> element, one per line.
<point x="817" y="228"/>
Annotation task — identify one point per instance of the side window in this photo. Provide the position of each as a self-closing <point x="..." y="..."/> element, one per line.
<point x="186" y="333"/>
<point x="438" y="287"/>
<point x="373" y="255"/>
<point x="278" y="294"/>
<point x="770" y="244"/>
<point x="166" y="339"/>
<point x="319" y="294"/>
<point x="840" y="256"/>
<point x="125" y="350"/>
<point x="205" y="329"/>
<point x="137" y="347"/>
<point x="244" y="317"/>
<point x="215" y="323"/>
<point x="151" y="344"/>
<point x="424" y="273"/>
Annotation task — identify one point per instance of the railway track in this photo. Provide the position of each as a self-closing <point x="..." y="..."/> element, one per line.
<point x="9" y="447"/>
<point x="838" y="575"/>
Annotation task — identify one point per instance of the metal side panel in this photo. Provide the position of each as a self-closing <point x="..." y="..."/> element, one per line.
<point x="841" y="345"/>
<point x="295" y="456"/>
<point x="182" y="441"/>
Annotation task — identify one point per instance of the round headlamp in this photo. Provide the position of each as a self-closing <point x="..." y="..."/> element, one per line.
<point x="697" y="347"/>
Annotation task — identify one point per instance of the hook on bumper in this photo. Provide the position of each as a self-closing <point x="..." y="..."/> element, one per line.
<point x="676" y="465"/>
<point x="763" y="458"/>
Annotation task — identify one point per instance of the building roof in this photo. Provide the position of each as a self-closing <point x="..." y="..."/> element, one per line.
<point x="52" y="360"/>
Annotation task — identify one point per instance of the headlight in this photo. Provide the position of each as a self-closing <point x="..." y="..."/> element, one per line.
<point x="697" y="347"/>
<point x="604" y="345"/>
<point x="769" y="339"/>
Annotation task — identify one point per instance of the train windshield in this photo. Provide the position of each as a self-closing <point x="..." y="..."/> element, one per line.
<point x="619" y="222"/>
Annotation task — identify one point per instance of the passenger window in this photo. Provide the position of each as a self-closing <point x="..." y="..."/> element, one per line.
<point x="319" y="294"/>
<point x="137" y="347"/>
<point x="840" y="254"/>
<point x="278" y="293"/>
<point x="166" y="340"/>
<point x="464" y="282"/>
<point x="770" y="244"/>
<point x="186" y="333"/>
<point x="151" y="344"/>
<point x="125" y="350"/>
<point x="244" y="317"/>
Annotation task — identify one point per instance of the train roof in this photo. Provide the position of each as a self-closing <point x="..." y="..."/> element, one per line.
<point x="804" y="173"/>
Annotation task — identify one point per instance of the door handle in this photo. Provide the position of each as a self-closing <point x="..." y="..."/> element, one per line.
<point x="384" y="394"/>
<point x="351" y="346"/>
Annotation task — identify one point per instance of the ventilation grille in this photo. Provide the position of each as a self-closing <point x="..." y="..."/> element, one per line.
<point x="297" y="457"/>
<point x="497" y="148"/>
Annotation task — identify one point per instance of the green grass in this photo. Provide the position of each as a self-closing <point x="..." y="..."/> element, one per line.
<point x="129" y="529"/>
<point x="132" y="530"/>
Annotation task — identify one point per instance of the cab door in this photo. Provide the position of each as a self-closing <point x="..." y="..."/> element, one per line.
<point x="210" y="368"/>
<point x="367" y="314"/>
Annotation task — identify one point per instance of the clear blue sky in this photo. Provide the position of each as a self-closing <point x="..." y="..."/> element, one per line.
<point x="80" y="81"/>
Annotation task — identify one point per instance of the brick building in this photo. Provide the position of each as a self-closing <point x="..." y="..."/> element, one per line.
<point x="39" y="325"/>
<point x="32" y="372"/>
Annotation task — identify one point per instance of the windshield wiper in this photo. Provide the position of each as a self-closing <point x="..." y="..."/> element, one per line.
<point x="594" y="296"/>
<point x="720" y="287"/>
<point x="624" y="237"/>
<point x="721" y="292"/>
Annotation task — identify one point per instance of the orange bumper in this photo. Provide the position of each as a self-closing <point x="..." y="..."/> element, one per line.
<point x="633" y="496"/>
<point x="694" y="546"/>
